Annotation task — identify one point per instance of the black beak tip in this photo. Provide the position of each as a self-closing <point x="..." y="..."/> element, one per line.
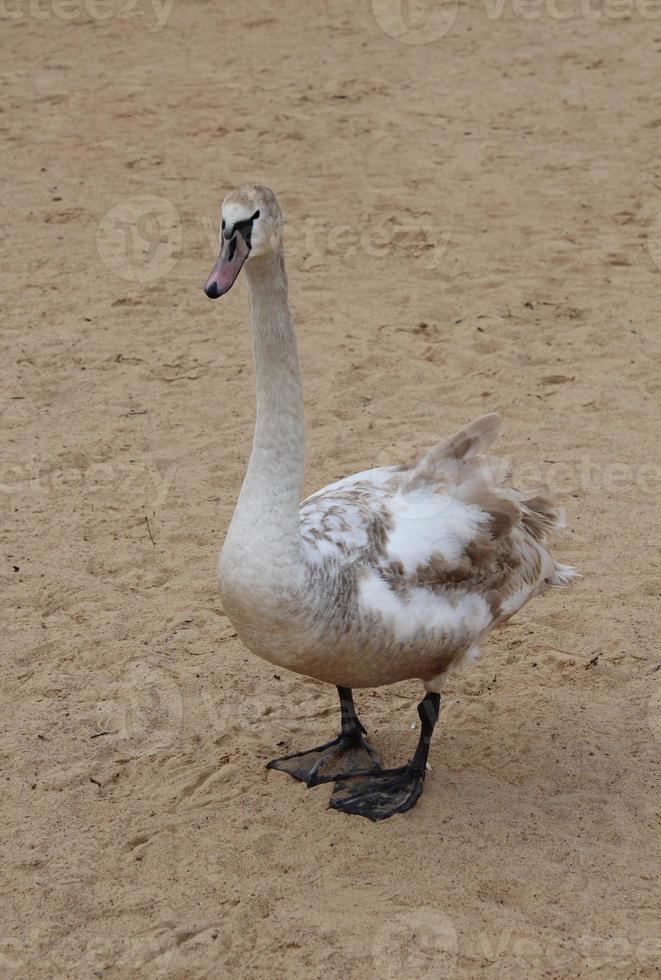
<point x="212" y="290"/>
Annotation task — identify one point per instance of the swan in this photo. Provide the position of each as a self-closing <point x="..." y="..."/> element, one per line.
<point x="394" y="573"/>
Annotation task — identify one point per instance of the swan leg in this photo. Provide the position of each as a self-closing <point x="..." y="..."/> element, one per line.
<point x="378" y="795"/>
<point x="346" y="754"/>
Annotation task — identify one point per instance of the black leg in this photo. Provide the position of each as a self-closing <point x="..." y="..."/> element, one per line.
<point x="378" y="795"/>
<point x="347" y="753"/>
<point x="349" y="720"/>
<point x="428" y="711"/>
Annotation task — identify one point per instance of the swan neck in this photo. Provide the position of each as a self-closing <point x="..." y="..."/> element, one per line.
<point x="268" y="507"/>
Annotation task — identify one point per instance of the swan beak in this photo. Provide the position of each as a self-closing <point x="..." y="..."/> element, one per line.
<point x="233" y="253"/>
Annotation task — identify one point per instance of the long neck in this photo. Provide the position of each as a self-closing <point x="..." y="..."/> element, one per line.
<point x="268" y="507"/>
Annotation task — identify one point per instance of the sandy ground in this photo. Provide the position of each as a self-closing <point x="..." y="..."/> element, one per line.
<point x="474" y="224"/>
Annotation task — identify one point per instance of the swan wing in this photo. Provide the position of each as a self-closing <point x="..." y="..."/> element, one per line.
<point x="339" y="522"/>
<point x="347" y="519"/>
<point x="447" y="526"/>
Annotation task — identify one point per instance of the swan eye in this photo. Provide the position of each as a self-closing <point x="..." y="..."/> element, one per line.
<point x="222" y="225"/>
<point x="255" y="215"/>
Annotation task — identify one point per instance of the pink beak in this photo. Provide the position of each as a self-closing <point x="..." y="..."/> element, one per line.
<point x="233" y="253"/>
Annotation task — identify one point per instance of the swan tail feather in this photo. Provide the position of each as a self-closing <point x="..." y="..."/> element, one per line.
<point x="446" y="461"/>
<point x="563" y="576"/>
<point x="539" y="514"/>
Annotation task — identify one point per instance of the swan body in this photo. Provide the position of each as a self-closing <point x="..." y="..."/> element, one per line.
<point x="399" y="576"/>
<point x="393" y="573"/>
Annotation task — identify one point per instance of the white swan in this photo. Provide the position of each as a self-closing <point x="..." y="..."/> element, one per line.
<point x="398" y="572"/>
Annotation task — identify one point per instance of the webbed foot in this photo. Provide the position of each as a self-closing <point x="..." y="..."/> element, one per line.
<point x="342" y="756"/>
<point x="380" y="794"/>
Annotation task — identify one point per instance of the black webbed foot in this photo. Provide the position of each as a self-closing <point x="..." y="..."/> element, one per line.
<point x="380" y="794"/>
<point x="342" y="756"/>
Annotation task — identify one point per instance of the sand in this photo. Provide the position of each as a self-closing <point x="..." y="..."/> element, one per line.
<point x="474" y="224"/>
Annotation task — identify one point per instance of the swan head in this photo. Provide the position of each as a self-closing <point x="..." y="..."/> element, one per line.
<point x="251" y="226"/>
